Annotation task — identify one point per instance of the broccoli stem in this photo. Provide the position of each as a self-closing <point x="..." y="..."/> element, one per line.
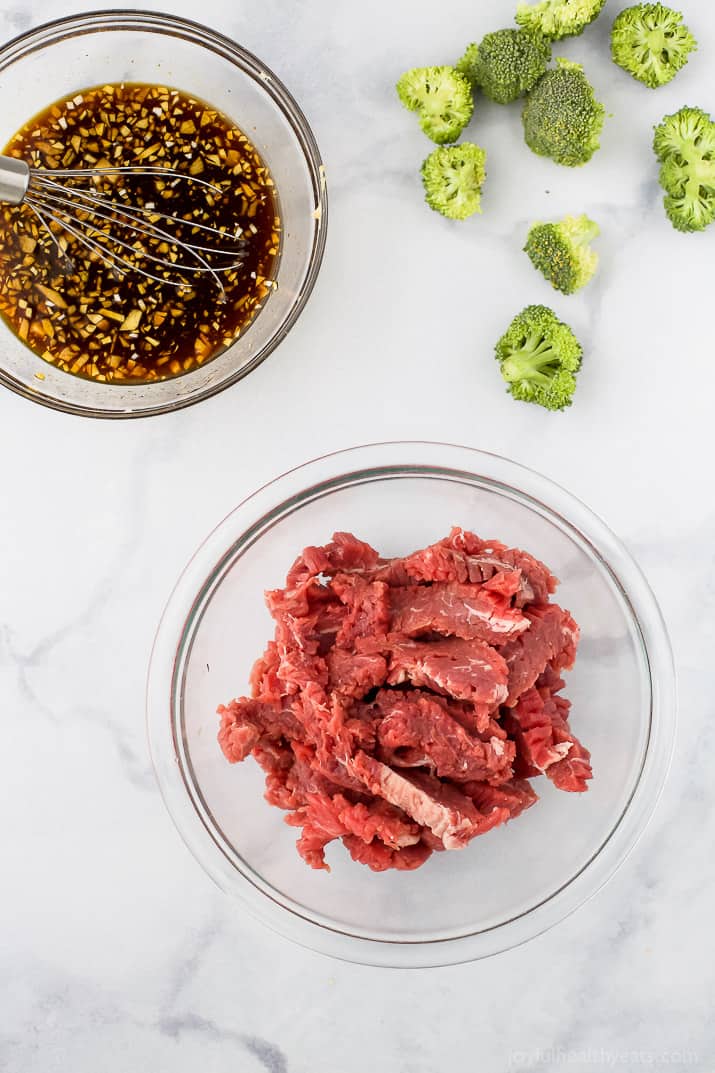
<point x="586" y="234"/>
<point x="702" y="173"/>
<point x="701" y="178"/>
<point x="536" y="355"/>
<point x="653" y="42"/>
<point x="552" y="5"/>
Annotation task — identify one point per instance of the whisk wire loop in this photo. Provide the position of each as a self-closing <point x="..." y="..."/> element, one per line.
<point x="132" y="235"/>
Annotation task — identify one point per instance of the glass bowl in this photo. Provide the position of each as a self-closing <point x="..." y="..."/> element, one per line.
<point x="73" y="53"/>
<point x="507" y="885"/>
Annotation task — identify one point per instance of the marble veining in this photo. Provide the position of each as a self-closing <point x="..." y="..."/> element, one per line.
<point x="118" y="954"/>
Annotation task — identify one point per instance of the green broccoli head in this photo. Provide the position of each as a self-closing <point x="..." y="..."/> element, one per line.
<point x="562" y="253"/>
<point x="562" y="118"/>
<point x="558" y="18"/>
<point x="442" y="98"/>
<point x="507" y="63"/>
<point x="539" y="357"/>
<point x="650" y="42"/>
<point x="453" y="177"/>
<point x="685" y="145"/>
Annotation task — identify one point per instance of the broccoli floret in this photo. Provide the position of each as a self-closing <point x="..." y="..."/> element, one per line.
<point x="562" y="118"/>
<point x="467" y="64"/>
<point x="688" y="134"/>
<point x="685" y="145"/>
<point x="562" y="253"/>
<point x="558" y="18"/>
<point x="442" y="98"/>
<point x="453" y="177"/>
<point x="507" y="63"/>
<point x="539" y="358"/>
<point x="650" y="42"/>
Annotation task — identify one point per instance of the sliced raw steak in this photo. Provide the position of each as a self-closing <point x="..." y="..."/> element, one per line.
<point x="552" y="639"/>
<point x="467" y="670"/>
<point x="545" y="743"/>
<point x="471" y="612"/>
<point x="325" y="818"/>
<point x="450" y="815"/>
<point x="413" y="730"/>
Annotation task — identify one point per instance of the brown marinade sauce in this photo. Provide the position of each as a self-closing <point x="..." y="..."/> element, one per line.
<point x="112" y="324"/>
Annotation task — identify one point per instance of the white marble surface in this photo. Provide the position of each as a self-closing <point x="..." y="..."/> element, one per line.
<point x="117" y="953"/>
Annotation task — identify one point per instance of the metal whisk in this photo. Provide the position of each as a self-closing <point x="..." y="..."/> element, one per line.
<point x="56" y="196"/>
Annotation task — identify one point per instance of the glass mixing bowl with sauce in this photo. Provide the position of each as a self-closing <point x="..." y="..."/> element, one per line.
<point x="82" y="335"/>
<point x="86" y="311"/>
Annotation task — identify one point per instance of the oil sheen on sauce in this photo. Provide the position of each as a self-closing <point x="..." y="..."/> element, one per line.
<point x="110" y="323"/>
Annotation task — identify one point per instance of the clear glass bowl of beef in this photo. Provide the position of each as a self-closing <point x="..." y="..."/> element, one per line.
<point x="71" y="54"/>
<point x="507" y="885"/>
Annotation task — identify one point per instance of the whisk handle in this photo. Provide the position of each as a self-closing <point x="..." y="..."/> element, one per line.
<point x="14" y="179"/>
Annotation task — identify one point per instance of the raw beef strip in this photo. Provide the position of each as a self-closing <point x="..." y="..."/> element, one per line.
<point x="315" y="770"/>
<point x="461" y="556"/>
<point x="311" y="845"/>
<point x="490" y="556"/>
<point x="450" y="816"/>
<point x="313" y="632"/>
<point x="344" y="554"/>
<point x="328" y="623"/>
<point x="291" y="764"/>
<point x="514" y="796"/>
<point x="545" y="743"/>
<point x="282" y="788"/>
<point x="573" y="772"/>
<point x="299" y="668"/>
<point x="264" y="679"/>
<point x="467" y="670"/>
<point x="450" y="795"/>
<point x="522" y="766"/>
<point x="245" y="722"/>
<point x="442" y="563"/>
<point x="413" y="730"/>
<point x="468" y="611"/>
<point x="377" y="856"/>
<point x="353" y="674"/>
<point x="348" y="555"/>
<point x="300" y="601"/>
<point x="533" y="732"/>
<point x="550" y="680"/>
<point x="367" y="608"/>
<point x="333" y="732"/>
<point x="495" y="804"/>
<point x="325" y="818"/>
<point x="323" y="718"/>
<point x="471" y="718"/>
<point x="292" y="773"/>
<point x="276" y="739"/>
<point x="552" y="638"/>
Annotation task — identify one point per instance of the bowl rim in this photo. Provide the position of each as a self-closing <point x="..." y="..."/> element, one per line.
<point x="214" y="556"/>
<point x="109" y="19"/>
